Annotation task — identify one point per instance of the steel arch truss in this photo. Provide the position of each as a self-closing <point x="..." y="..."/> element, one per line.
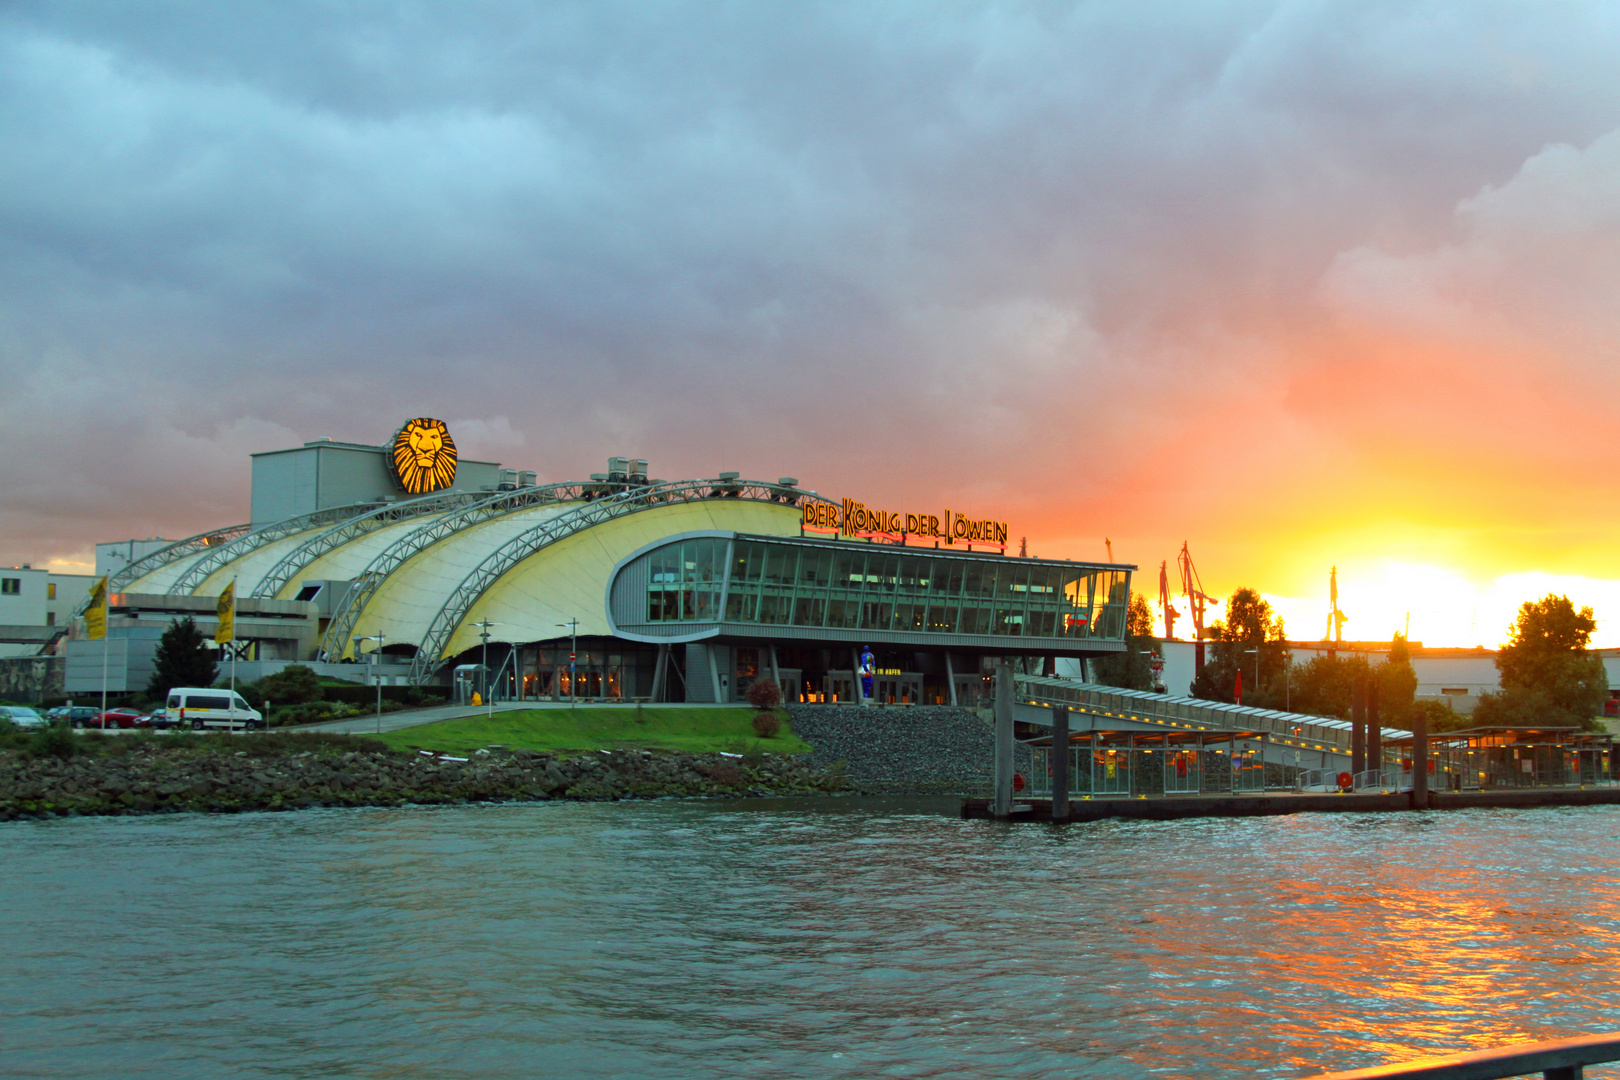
<point x="391" y="558"/>
<point x="177" y="550"/>
<point x="429" y="654"/>
<point x="217" y="557"/>
<point x="163" y="556"/>
<point x="301" y="556"/>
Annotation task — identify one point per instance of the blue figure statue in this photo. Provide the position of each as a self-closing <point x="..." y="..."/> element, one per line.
<point x="868" y="669"/>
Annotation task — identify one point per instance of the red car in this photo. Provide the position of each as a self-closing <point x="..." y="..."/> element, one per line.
<point x="112" y="718"/>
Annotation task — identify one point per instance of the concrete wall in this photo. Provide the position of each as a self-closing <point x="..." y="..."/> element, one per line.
<point x="26" y="606"/>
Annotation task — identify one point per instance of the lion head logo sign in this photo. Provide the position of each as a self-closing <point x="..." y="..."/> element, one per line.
<point x="424" y="456"/>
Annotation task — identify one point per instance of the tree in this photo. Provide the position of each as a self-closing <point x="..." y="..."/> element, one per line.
<point x="1397" y="685"/>
<point x="1249" y="626"/>
<point x="182" y="659"/>
<point x="1133" y="668"/>
<point x="1548" y="676"/>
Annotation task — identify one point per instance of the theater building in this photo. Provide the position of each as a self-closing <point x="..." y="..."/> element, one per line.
<point x="682" y="590"/>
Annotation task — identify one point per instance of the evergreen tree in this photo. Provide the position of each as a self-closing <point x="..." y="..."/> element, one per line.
<point x="183" y="659"/>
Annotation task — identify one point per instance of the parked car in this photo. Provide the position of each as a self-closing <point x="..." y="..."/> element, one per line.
<point x="109" y="719"/>
<point x="114" y="718"/>
<point x="80" y="715"/>
<point x="22" y="716"/>
<point x="158" y="721"/>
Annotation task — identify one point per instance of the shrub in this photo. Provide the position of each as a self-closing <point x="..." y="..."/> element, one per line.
<point x="54" y="740"/>
<point x="294" y="684"/>
<point x="763" y="694"/>
<point x="767" y="725"/>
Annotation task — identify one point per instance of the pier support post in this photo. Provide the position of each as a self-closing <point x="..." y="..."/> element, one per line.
<point x="1420" y="760"/>
<point x="1001" y="806"/>
<point x="1358" y="727"/>
<point x="1060" y="763"/>
<point x="1375" y="731"/>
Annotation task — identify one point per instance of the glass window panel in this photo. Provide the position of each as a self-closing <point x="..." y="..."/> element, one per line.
<point x="707" y="603"/>
<point x="779" y="564"/>
<point x="973" y="579"/>
<point x="942" y="618"/>
<point x="1009" y="621"/>
<point x="912" y="573"/>
<point x="741" y="604"/>
<point x="835" y="610"/>
<point x="809" y="610"/>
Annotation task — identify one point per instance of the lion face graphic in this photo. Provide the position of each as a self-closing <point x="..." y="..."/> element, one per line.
<point x="424" y="456"/>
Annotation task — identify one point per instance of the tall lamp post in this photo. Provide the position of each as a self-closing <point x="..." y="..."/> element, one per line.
<point x="572" y="626"/>
<point x="375" y="661"/>
<point x="483" y="634"/>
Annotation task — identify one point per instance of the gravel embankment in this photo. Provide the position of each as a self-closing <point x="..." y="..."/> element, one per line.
<point x="155" y="780"/>
<point x="925" y="750"/>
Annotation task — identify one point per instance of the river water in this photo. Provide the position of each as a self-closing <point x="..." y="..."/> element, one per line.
<point x="794" y="938"/>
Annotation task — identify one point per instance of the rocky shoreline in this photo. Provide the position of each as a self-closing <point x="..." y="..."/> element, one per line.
<point x="224" y="779"/>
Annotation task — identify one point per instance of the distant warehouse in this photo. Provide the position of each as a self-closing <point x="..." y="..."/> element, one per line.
<point x="659" y="590"/>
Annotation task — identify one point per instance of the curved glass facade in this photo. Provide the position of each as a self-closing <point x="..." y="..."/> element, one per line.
<point x="766" y="582"/>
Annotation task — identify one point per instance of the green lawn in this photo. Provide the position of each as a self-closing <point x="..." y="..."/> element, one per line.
<point x="692" y="730"/>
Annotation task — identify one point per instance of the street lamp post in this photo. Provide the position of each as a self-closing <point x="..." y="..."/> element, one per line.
<point x="484" y="626"/>
<point x="572" y="625"/>
<point x="376" y="662"/>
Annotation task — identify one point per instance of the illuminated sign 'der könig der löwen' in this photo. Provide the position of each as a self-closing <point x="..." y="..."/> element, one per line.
<point x="854" y="519"/>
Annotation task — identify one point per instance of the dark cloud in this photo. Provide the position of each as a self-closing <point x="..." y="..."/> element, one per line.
<point x="1145" y="258"/>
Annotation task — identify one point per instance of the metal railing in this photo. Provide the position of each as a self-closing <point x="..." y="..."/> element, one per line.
<point x="1386" y="779"/>
<point x="1561" y="1059"/>
<point x="634" y="500"/>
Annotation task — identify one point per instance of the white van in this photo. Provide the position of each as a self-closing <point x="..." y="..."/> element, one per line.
<point x="203" y="708"/>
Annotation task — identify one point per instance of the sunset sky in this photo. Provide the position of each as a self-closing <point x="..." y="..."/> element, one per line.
<point x="1300" y="284"/>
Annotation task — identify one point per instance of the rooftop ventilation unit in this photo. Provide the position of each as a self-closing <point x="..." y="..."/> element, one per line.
<point x="638" y="470"/>
<point x="618" y="469"/>
<point x="525" y="478"/>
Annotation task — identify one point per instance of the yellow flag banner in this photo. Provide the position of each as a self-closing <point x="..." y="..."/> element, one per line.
<point x="95" y="616"/>
<point x="227" y="615"/>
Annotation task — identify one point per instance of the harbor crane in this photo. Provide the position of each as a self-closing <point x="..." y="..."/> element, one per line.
<point x="1165" y="607"/>
<point x="1336" y="618"/>
<point x="1193" y="589"/>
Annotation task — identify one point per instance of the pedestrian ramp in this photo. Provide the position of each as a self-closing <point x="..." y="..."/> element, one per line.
<point x="1144" y="710"/>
